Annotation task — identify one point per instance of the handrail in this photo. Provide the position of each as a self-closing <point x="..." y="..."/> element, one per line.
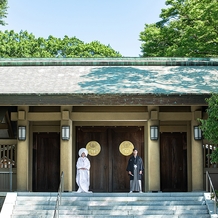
<point x="58" y="200"/>
<point x="211" y="190"/>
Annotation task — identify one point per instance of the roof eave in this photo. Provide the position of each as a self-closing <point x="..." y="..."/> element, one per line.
<point x="85" y="99"/>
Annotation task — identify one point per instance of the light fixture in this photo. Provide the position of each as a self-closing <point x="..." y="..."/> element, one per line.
<point x="197" y="133"/>
<point x="154" y="132"/>
<point x="65" y="132"/>
<point x="22" y="133"/>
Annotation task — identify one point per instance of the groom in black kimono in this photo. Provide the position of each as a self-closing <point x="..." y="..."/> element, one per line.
<point x="135" y="169"/>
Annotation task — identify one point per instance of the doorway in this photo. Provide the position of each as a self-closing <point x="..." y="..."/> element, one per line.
<point x="46" y="162"/>
<point x="173" y="162"/>
<point x="108" y="168"/>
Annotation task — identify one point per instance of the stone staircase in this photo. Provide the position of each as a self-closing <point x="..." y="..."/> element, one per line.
<point x="90" y="205"/>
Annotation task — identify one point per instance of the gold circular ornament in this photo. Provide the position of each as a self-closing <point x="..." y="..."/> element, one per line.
<point x="126" y="148"/>
<point x="93" y="148"/>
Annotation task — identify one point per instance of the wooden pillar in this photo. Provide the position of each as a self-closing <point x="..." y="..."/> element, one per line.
<point x="23" y="151"/>
<point x="74" y="159"/>
<point x="153" y="152"/>
<point x="197" y="153"/>
<point x="146" y="176"/>
<point x="66" y="149"/>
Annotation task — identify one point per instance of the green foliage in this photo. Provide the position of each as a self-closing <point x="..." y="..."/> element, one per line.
<point x="26" y="45"/>
<point x="210" y="125"/>
<point x="188" y="28"/>
<point x="3" y="9"/>
<point x="214" y="156"/>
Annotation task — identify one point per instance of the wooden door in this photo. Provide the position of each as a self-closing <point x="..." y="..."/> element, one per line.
<point x="99" y="164"/>
<point x="108" y="168"/>
<point x="119" y="176"/>
<point x="173" y="162"/>
<point x="46" y="162"/>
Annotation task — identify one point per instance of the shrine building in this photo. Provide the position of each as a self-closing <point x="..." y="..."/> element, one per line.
<point x="50" y="108"/>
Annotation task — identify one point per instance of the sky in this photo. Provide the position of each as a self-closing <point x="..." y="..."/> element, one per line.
<point x="117" y="23"/>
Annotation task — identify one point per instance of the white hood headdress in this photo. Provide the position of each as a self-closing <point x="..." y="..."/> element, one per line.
<point x="82" y="150"/>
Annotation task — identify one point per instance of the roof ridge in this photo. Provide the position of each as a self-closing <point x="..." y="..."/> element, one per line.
<point x="125" y="61"/>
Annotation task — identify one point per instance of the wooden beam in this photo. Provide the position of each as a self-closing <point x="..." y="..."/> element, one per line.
<point x="3" y="126"/>
<point x="103" y="99"/>
<point x="173" y="129"/>
<point x="175" y="116"/>
<point x="8" y="141"/>
<point x="44" y="116"/>
<point x="109" y="116"/>
<point x="10" y="129"/>
<point x="14" y="116"/>
<point x="46" y="128"/>
<point x="109" y="123"/>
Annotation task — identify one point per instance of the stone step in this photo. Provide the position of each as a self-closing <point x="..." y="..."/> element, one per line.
<point x="117" y="207"/>
<point x="122" y="194"/>
<point x="134" y="216"/>
<point x="106" y="203"/>
<point x="109" y="216"/>
<point x="123" y="199"/>
<point x="99" y="205"/>
<point x="109" y="199"/>
<point x="112" y="212"/>
<point x="130" y="212"/>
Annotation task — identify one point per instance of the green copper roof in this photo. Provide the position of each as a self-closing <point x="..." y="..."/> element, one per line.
<point x="109" y="62"/>
<point x="109" y="76"/>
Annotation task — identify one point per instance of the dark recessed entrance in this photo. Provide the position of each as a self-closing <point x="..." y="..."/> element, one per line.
<point x="173" y="162"/>
<point x="108" y="168"/>
<point x="46" y="162"/>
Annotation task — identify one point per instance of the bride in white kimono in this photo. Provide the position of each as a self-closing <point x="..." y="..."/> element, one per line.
<point x="83" y="166"/>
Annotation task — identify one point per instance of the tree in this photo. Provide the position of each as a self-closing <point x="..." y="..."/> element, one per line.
<point x="26" y="45"/>
<point x="209" y="126"/>
<point x="3" y="9"/>
<point x="188" y="28"/>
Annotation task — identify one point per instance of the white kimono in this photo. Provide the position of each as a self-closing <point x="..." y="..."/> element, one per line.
<point x="82" y="176"/>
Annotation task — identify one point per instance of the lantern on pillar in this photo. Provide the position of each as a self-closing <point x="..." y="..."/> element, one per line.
<point x="154" y="132"/>
<point x="197" y="133"/>
<point x="65" y="132"/>
<point x="21" y="133"/>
